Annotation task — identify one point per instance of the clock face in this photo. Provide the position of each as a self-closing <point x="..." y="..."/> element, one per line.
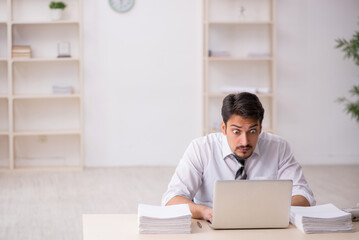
<point x="121" y="5"/>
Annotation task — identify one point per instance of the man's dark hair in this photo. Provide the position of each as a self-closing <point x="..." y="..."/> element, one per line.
<point x="245" y="104"/>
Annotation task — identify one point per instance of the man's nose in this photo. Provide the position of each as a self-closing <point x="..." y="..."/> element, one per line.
<point x="244" y="140"/>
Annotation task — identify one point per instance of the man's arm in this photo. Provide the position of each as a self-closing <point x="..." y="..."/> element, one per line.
<point x="289" y="168"/>
<point x="200" y="211"/>
<point x="299" y="200"/>
<point x="197" y="210"/>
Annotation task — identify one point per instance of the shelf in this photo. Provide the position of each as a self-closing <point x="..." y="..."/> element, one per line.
<point x="230" y="10"/>
<point x="238" y="23"/>
<point x="40" y="129"/>
<point x="44" y="22"/>
<point x="240" y="41"/>
<point x="37" y="79"/>
<point x="4" y="150"/>
<point x="51" y="96"/>
<point x="235" y="59"/>
<point x="222" y="95"/>
<point x="241" y="38"/>
<point x="15" y="60"/>
<point x="3" y="11"/>
<point x="44" y="39"/>
<point x="38" y="11"/>
<point x="46" y="168"/>
<point x="4" y="115"/>
<point x="52" y="114"/>
<point x="3" y="41"/>
<point x="47" y="150"/>
<point x="47" y="133"/>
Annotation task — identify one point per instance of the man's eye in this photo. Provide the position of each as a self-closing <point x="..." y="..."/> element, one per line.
<point x="253" y="131"/>
<point x="235" y="131"/>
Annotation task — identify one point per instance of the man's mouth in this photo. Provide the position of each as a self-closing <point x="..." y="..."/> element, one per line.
<point x="244" y="149"/>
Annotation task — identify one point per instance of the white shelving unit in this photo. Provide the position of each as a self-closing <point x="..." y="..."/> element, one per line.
<point x="40" y="129"/>
<point x="238" y="55"/>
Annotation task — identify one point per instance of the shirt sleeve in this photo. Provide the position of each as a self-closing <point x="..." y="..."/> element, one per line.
<point x="187" y="177"/>
<point x="289" y="168"/>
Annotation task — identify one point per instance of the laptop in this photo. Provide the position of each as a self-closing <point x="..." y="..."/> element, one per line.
<point x="251" y="204"/>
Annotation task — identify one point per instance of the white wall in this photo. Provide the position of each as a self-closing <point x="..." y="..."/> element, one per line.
<point x="142" y="74"/>
<point x="311" y="75"/>
<point x="143" y="81"/>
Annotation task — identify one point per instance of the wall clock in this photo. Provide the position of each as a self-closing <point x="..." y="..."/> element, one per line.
<point x="121" y="6"/>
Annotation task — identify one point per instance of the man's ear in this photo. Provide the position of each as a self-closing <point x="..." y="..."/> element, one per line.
<point x="224" y="129"/>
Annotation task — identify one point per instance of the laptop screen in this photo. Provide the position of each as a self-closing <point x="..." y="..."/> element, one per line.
<point x="251" y="204"/>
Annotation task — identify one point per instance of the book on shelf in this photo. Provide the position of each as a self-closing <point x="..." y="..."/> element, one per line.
<point x="164" y="219"/>
<point x="258" y="55"/>
<point x="214" y="53"/>
<point x="325" y="218"/>
<point x="23" y="48"/>
<point x="21" y="55"/>
<point x="58" y="89"/>
<point x="21" y="51"/>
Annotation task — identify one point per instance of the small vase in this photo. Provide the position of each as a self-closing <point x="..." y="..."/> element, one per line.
<point x="56" y="14"/>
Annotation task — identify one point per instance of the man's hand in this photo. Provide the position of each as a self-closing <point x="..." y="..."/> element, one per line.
<point x="198" y="211"/>
<point x="206" y="212"/>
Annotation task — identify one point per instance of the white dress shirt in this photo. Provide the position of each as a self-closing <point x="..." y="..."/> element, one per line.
<point x="210" y="158"/>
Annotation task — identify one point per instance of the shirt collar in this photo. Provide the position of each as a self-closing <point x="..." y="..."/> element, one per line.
<point x="226" y="150"/>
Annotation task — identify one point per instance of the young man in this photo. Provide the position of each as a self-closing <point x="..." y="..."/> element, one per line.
<point x="241" y="151"/>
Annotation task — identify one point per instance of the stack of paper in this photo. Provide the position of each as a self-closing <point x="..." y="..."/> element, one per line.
<point x="231" y="89"/>
<point x="321" y="219"/>
<point x="164" y="219"/>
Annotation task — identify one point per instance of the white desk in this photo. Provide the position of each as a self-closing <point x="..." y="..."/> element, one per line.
<point x="125" y="226"/>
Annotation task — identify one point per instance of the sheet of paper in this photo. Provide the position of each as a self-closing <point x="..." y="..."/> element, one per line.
<point x="173" y="211"/>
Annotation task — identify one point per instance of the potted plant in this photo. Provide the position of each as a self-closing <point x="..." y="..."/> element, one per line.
<point x="351" y="50"/>
<point x="56" y="10"/>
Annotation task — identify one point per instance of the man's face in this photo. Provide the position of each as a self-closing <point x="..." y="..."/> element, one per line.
<point x="242" y="135"/>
